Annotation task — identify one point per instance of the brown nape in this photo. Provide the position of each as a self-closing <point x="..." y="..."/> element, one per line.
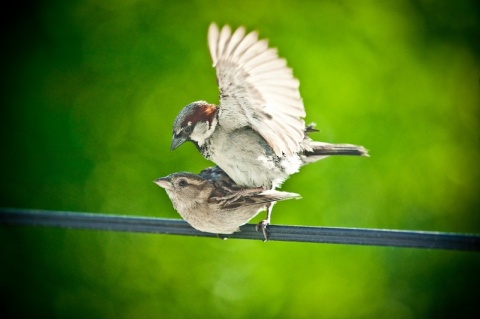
<point x="202" y="113"/>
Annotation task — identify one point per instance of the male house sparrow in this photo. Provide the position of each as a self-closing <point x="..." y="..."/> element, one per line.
<point x="257" y="134"/>
<point x="212" y="202"/>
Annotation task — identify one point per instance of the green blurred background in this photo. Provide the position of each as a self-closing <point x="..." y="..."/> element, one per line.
<point x="91" y="89"/>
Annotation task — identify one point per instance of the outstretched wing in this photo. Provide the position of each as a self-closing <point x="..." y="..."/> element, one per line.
<point x="257" y="88"/>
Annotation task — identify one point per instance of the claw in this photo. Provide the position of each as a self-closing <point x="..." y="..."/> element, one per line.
<point x="263" y="225"/>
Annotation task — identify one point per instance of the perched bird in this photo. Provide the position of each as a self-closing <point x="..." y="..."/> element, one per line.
<point x="212" y="202"/>
<point x="257" y="134"/>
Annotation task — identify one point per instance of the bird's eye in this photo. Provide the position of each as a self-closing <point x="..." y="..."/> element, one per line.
<point x="188" y="129"/>
<point x="182" y="183"/>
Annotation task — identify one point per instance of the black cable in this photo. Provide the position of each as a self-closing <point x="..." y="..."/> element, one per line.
<point x="332" y="235"/>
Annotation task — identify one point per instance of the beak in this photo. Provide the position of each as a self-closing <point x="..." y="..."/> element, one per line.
<point x="177" y="141"/>
<point x="164" y="182"/>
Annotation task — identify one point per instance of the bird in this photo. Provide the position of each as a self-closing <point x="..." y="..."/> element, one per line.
<point x="212" y="202"/>
<point x="257" y="134"/>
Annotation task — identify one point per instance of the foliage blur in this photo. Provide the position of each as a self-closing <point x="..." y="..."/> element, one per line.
<point x="90" y="91"/>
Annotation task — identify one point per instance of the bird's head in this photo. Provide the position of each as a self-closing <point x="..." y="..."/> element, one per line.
<point x="185" y="188"/>
<point x="195" y="122"/>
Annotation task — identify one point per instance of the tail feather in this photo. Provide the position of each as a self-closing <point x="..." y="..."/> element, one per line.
<point x="274" y="195"/>
<point x="321" y="150"/>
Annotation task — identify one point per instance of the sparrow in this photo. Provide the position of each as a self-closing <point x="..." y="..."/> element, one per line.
<point x="212" y="202"/>
<point x="257" y="133"/>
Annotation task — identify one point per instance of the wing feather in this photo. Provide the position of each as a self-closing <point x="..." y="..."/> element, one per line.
<point x="235" y="40"/>
<point x="252" y="52"/>
<point x="213" y="42"/>
<point x="257" y="88"/>
<point x="249" y="40"/>
<point x="223" y="40"/>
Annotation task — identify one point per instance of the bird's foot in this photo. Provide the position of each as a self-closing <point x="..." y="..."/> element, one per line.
<point x="263" y="225"/>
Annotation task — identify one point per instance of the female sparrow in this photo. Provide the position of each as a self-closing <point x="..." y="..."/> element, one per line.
<point x="212" y="202"/>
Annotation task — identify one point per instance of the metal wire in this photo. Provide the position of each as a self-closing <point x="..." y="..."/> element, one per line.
<point x="331" y="235"/>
